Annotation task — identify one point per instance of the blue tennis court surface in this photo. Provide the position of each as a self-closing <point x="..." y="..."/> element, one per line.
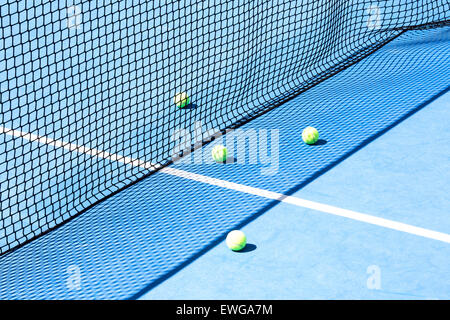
<point x="306" y="254"/>
<point x="384" y="152"/>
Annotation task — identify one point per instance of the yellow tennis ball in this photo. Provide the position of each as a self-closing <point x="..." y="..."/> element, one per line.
<point x="181" y="99"/>
<point x="310" y="135"/>
<point x="219" y="153"/>
<point x="236" y="240"/>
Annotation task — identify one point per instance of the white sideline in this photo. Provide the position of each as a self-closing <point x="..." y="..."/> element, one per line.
<point x="386" y="223"/>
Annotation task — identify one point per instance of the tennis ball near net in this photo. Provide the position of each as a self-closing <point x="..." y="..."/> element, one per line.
<point x="181" y="99"/>
<point x="236" y="240"/>
<point x="310" y="135"/>
<point x="219" y="153"/>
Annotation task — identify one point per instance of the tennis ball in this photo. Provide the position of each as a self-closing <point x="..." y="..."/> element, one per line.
<point x="219" y="153"/>
<point x="310" y="135"/>
<point x="181" y="99"/>
<point x="236" y="240"/>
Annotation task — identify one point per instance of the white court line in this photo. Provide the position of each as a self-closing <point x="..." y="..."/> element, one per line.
<point x="80" y="149"/>
<point x="386" y="223"/>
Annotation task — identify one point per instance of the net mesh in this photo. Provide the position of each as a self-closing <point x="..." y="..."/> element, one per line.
<point x="87" y="87"/>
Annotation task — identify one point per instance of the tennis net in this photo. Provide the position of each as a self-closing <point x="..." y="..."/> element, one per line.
<point x="87" y="87"/>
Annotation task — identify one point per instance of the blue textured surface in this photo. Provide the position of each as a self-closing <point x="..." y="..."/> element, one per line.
<point x="348" y="110"/>
<point x="147" y="231"/>
<point x="304" y="254"/>
<point x="108" y="83"/>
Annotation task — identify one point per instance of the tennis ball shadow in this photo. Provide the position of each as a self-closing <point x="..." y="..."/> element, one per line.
<point x="228" y="161"/>
<point x="248" y="248"/>
<point x="320" y="142"/>
<point x="191" y="106"/>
